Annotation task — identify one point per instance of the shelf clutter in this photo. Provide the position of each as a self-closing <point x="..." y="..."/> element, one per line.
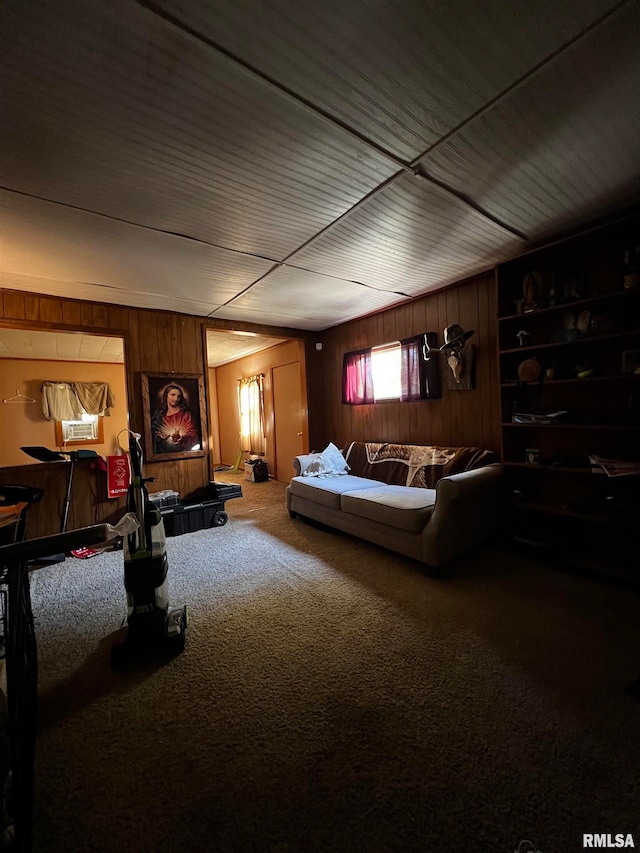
<point x="569" y="355"/>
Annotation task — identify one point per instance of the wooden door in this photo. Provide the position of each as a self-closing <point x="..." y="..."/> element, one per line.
<point x="287" y="415"/>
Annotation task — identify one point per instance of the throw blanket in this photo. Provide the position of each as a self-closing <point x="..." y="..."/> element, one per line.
<point x="420" y="466"/>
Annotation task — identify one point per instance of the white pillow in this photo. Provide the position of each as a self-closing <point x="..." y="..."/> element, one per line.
<point x="329" y="463"/>
<point x="334" y="459"/>
<point x="302" y="463"/>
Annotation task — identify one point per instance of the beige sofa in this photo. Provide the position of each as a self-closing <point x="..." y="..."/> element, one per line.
<point x="429" y="503"/>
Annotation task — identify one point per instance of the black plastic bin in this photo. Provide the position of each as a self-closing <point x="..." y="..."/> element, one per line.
<point x="187" y="518"/>
<point x="223" y="491"/>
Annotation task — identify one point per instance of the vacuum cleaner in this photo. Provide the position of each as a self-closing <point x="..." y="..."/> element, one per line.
<point x="151" y="623"/>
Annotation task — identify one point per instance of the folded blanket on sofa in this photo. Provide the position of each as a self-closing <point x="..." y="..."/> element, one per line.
<point x="420" y="466"/>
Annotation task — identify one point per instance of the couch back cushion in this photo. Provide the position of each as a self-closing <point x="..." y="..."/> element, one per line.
<point x="417" y="465"/>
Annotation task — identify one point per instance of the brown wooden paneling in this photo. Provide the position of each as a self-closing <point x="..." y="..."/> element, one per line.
<point x="191" y="345"/>
<point x="118" y="317"/>
<point x="31" y="307"/>
<point x="14" y="305"/>
<point x="50" y="310"/>
<point x="459" y="417"/>
<point x="100" y="316"/>
<point x="72" y="313"/>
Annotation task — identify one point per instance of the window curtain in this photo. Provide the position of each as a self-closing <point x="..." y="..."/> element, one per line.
<point x="251" y="408"/>
<point x="420" y="379"/>
<point x="410" y="370"/>
<point x="357" y="379"/>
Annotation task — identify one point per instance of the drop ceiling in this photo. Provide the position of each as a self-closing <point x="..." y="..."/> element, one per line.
<point x="302" y="164"/>
<point x="59" y="346"/>
<point x="222" y="347"/>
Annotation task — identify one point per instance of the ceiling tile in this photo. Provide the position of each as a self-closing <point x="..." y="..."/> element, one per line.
<point x="562" y="148"/>
<point x="223" y="347"/>
<point x="89" y="254"/>
<point x="304" y="300"/>
<point x="59" y="346"/>
<point x="409" y="238"/>
<point x="141" y="122"/>
<point x="401" y="74"/>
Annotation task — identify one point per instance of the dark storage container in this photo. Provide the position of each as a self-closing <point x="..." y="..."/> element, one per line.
<point x="223" y="491"/>
<point x="191" y="517"/>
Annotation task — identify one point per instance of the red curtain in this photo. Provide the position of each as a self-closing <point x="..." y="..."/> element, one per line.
<point x="410" y="358"/>
<point x="419" y="379"/>
<point x="357" y="381"/>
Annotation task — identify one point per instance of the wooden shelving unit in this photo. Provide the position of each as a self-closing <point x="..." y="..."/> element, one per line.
<point x="584" y="322"/>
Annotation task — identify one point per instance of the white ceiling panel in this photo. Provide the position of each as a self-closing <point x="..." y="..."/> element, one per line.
<point x="60" y="346"/>
<point x="410" y="237"/>
<point x="137" y="266"/>
<point x="223" y="347"/>
<point x="401" y="74"/>
<point x="565" y="146"/>
<point x="145" y="124"/>
<point x="304" y="300"/>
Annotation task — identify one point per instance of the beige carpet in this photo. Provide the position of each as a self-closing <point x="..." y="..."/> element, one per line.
<point x="332" y="697"/>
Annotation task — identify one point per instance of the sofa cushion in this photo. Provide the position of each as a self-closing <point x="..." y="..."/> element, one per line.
<point x="327" y="490"/>
<point x="402" y="507"/>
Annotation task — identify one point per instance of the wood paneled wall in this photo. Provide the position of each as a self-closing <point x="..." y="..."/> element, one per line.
<point x="164" y="341"/>
<point x="155" y="341"/>
<point x="459" y="417"/>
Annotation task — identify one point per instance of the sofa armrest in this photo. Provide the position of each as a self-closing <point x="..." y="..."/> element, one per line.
<point x="466" y="513"/>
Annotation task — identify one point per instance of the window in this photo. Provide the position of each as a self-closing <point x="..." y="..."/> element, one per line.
<point x="385" y="371"/>
<point x="251" y="409"/>
<point x="393" y="371"/>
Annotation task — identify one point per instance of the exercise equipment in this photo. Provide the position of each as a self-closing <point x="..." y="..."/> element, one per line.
<point x="44" y="454"/>
<point x="151" y="623"/>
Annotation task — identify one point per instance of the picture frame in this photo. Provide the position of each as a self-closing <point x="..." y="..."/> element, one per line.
<point x="174" y="413"/>
<point x="631" y="361"/>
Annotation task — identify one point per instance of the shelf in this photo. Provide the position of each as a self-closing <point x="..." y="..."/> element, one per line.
<point x="578" y="342"/>
<point x="597" y="472"/>
<point x="574" y="379"/>
<point x="570" y="426"/>
<point x="577" y="303"/>
<point x="565" y="511"/>
<point x="550" y="509"/>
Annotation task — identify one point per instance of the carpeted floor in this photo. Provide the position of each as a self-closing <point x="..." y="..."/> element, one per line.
<point x="332" y="697"/>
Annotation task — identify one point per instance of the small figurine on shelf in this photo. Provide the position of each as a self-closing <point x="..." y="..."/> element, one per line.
<point x="531" y="290"/>
<point x="573" y="286"/>
<point x="522" y="337"/>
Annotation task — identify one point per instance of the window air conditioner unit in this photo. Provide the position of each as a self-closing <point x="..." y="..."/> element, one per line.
<point x="81" y="430"/>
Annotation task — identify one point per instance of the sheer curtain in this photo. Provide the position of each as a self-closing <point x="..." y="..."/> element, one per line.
<point x="251" y="407"/>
